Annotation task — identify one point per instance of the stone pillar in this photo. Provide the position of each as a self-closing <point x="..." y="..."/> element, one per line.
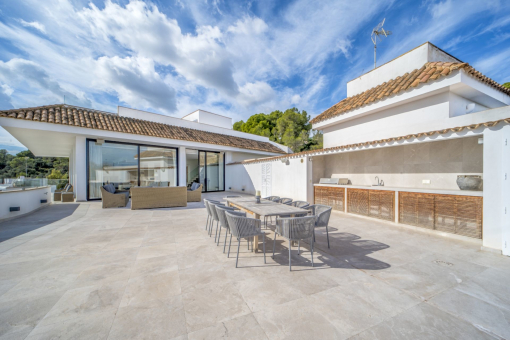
<point x="182" y="166"/>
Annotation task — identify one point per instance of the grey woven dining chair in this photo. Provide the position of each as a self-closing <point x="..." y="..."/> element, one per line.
<point x="244" y="227"/>
<point x="275" y="199"/>
<point x="212" y="212"/>
<point x="300" y="204"/>
<point x="219" y="210"/>
<point x="286" y="201"/>
<point x="209" y="213"/>
<point x="295" y="229"/>
<point x="322" y="214"/>
<point x="224" y="222"/>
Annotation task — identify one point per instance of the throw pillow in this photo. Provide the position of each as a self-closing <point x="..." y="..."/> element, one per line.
<point x="110" y="188"/>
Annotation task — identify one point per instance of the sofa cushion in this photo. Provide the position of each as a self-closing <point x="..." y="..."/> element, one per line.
<point x="194" y="186"/>
<point x="110" y="188"/>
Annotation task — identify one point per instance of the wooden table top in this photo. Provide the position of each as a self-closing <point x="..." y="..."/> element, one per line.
<point x="265" y="207"/>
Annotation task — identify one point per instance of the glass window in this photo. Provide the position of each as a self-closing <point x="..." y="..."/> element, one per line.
<point x="112" y="163"/>
<point x="158" y="167"/>
<point x="192" y="168"/>
<point x="213" y="171"/>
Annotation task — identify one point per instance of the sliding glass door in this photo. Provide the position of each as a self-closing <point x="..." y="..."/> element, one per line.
<point x="158" y="167"/>
<point x="210" y="171"/>
<point x="111" y="163"/>
<point x="127" y="165"/>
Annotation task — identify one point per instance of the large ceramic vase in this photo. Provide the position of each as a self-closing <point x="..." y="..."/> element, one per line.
<point x="469" y="182"/>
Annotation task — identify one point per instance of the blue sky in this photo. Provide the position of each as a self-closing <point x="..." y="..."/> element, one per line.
<point x="235" y="58"/>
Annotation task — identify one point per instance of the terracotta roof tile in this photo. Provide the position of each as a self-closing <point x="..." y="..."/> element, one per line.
<point x="429" y="72"/>
<point x="98" y="120"/>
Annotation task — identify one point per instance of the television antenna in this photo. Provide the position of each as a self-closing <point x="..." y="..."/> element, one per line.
<point x="378" y="32"/>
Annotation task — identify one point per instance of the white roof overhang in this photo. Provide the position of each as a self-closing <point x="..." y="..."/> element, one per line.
<point x="54" y="140"/>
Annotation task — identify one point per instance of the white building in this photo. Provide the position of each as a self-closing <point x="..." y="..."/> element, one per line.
<point x="416" y="123"/>
<point x="132" y="147"/>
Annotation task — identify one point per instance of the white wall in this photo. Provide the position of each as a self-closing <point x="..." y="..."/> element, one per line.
<point x="459" y="105"/>
<point x="405" y="63"/>
<point x="424" y="115"/>
<point x="286" y="180"/>
<point x="80" y="169"/>
<point x="418" y="116"/>
<point x="496" y="209"/>
<point x="209" y="118"/>
<point x="28" y="200"/>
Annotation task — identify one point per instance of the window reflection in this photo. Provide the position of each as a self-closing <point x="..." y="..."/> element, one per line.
<point x="112" y="163"/>
<point x="158" y="167"/>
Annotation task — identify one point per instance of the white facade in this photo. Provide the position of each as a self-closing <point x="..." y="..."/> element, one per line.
<point x="402" y="132"/>
<point x="405" y="63"/>
<point x="209" y="118"/>
<point x="26" y="200"/>
<point x="57" y="140"/>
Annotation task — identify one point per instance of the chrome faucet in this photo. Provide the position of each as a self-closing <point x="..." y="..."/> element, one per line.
<point x="379" y="182"/>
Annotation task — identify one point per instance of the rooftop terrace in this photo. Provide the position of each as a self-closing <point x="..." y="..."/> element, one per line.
<point x="76" y="270"/>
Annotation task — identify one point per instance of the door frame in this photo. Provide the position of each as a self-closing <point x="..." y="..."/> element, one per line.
<point x="204" y="186"/>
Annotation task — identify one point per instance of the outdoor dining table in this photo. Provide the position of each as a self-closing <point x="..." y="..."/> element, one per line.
<point x="264" y="208"/>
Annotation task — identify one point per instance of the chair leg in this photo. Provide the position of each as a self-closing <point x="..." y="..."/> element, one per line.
<point x="274" y="243"/>
<point x="299" y="247"/>
<point x="218" y="242"/>
<point x="311" y="242"/>
<point x="238" y="245"/>
<point x="290" y="259"/>
<point x="229" y="243"/>
<point x="207" y="223"/>
<point x="264" y="246"/>
<point x="225" y="243"/>
<point x="216" y="232"/>
<point x="327" y="235"/>
<point x="211" y="222"/>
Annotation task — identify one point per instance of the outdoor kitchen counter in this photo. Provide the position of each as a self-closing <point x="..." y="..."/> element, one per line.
<point x="421" y="190"/>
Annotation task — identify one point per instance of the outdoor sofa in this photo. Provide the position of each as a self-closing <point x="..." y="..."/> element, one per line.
<point x="195" y="192"/>
<point x="113" y="198"/>
<point x="57" y="195"/>
<point x="158" y="197"/>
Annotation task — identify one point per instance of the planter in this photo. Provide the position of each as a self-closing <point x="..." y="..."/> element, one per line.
<point x="469" y="182"/>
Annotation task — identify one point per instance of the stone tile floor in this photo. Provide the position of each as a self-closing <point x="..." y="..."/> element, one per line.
<point x="76" y="271"/>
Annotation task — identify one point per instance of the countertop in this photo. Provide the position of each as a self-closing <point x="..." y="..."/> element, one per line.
<point x="423" y="190"/>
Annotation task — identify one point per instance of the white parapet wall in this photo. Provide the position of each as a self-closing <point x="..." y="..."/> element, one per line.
<point x="284" y="178"/>
<point x="27" y="200"/>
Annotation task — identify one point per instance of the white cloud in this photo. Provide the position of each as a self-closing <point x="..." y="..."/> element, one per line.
<point x="135" y="82"/>
<point x="34" y="24"/>
<point x="17" y="73"/>
<point x="148" y="33"/>
<point x="255" y="93"/>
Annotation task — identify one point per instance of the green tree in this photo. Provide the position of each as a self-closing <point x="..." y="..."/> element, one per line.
<point x="55" y="174"/>
<point x="290" y="128"/>
<point x="507" y="85"/>
<point x="40" y="167"/>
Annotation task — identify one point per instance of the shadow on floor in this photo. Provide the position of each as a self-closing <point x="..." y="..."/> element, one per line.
<point x="348" y="251"/>
<point x="41" y="218"/>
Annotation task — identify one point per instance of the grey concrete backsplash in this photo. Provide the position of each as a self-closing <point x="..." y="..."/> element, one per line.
<point x="408" y="165"/>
